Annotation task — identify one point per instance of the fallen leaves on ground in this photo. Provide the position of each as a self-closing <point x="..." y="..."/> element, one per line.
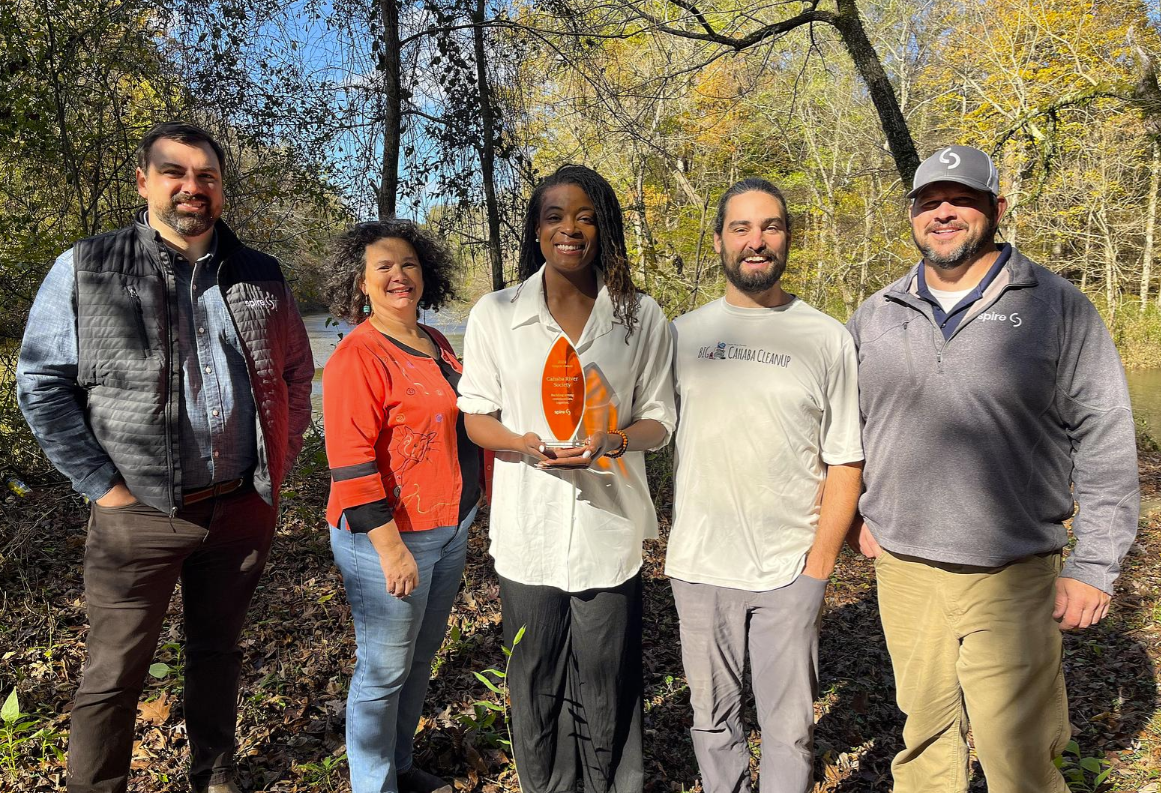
<point x="299" y="654"/>
<point x="155" y="711"/>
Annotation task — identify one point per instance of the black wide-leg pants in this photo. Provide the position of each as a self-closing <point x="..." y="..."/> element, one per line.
<point x="576" y="686"/>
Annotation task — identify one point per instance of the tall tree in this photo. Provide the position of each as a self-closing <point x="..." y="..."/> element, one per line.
<point x="489" y="133"/>
<point x="688" y="19"/>
<point x="390" y="66"/>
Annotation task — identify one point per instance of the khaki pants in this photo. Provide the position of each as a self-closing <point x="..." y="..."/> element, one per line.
<point x="979" y="643"/>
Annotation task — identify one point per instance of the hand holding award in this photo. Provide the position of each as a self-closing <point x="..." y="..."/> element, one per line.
<point x="563" y="397"/>
<point x="562" y="393"/>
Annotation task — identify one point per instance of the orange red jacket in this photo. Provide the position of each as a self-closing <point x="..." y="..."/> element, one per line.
<point x="390" y="421"/>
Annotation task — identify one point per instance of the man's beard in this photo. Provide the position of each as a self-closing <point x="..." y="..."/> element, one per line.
<point x="185" y="223"/>
<point x="754" y="282"/>
<point x="963" y="253"/>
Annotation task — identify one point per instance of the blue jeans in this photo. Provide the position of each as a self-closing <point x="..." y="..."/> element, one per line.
<point x="396" y="640"/>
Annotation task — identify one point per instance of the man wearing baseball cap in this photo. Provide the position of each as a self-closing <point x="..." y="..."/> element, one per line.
<point x="992" y="400"/>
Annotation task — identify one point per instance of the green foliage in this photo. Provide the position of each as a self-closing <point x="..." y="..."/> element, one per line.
<point x="1137" y="334"/>
<point x="171" y="670"/>
<point x="19" y="454"/>
<point x="19" y="731"/>
<point x="1083" y="774"/>
<point x="482" y="720"/>
<point x="80" y="82"/>
<point x="308" y="480"/>
<point x="326" y="774"/>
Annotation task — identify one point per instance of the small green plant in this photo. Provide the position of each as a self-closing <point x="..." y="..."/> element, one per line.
<point x="322" y="775"/>
<point x="458" y="641"/>
<point x="173" y="672"/>
<point x="1083" y="774"/>
<point x="673" y="687"/>
<point x="482" y="719"/>
<point x="18" y="729"/>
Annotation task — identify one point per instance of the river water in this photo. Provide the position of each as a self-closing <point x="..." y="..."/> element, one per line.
<point x="1144" y="384"/>
<point x="1145" y="393"/>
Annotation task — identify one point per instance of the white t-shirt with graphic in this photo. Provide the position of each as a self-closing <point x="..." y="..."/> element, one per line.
<point x="767" y="398"/>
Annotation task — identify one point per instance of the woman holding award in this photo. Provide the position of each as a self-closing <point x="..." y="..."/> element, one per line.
<point x="568" y="378"/>
<point x="404" y="487"/>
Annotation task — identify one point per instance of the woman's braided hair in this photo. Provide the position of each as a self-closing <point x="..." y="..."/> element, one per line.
<point x="612" y="256"/>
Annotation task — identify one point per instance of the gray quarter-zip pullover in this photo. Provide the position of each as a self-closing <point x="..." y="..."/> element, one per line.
<point x="977" y="445"/>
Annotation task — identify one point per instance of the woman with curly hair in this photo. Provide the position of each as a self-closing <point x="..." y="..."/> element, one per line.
<point x="567" y="524"/>
<point x="404" y="487"/>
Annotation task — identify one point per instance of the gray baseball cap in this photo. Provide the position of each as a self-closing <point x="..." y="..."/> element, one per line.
<point x="961" y="164"/>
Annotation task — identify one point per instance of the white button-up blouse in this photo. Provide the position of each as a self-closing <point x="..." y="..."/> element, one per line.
<point x="569" y="529"/>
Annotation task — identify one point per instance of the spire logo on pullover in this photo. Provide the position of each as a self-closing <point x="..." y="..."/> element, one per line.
<point x="992" y="316"/>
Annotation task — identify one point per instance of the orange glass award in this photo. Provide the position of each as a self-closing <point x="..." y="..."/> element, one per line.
<point x="563" y="392"/>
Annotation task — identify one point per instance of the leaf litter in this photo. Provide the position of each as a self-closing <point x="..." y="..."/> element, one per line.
<point x="299" y="654"/>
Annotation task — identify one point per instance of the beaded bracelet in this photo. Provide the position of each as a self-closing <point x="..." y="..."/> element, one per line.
<point x="624" y="447"/>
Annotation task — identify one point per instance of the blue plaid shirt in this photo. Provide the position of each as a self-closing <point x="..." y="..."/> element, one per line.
<point x="216" y="414"/>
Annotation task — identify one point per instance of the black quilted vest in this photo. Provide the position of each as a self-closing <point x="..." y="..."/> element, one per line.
<point x="128" y="354"/>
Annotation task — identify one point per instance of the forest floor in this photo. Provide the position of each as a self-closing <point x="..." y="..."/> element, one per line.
<point x="299" y="653"/>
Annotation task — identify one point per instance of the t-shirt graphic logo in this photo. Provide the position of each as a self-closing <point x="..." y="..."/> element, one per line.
<point x="720" y="352"/>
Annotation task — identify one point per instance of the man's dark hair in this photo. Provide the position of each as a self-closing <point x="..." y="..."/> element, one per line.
<point x="182" y="132"/>
<point x="612" y="256"/>
<point x="750" y="185"/>
<point x="347" y="265"/>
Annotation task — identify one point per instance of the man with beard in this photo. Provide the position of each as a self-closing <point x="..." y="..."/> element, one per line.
<point x="768" y="468"/>
<point x="166" y="372"/>
<point x="992" y="398"/>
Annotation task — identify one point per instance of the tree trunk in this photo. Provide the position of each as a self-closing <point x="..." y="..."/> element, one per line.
<point x="638" y="237"/>
<point x="1110" y="250"/>
<point x="488" y="148"/>
<point x="1087" y="252"/>
<point x="391" y="67"/>
<point x="646" y="247"/>
<point x="1150" y="223"/>
<point x="870" y="68"/>
<point x="868" y="235"/>
<point x="1013" y="165"/>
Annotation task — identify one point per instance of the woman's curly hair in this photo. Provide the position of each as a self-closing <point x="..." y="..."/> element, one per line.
<point x="612" y="256"/>
<point x="347" y="265"/>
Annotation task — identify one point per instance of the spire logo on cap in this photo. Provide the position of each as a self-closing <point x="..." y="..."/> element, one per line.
<point x="960" y="164"/>
<point x="943" y="157"/>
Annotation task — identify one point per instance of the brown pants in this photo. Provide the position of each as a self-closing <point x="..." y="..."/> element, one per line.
<point x="133" y="558"/>
<point x="980" y="644"/>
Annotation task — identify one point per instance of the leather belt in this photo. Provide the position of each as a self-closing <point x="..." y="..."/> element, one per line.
<point x="222" y="488"/>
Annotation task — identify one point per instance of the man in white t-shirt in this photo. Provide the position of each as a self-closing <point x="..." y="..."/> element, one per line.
<point x="768" y="474"/>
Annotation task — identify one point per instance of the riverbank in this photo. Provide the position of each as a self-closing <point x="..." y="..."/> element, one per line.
<point x="300" y="652"/>
<point x="325" y="333"/>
